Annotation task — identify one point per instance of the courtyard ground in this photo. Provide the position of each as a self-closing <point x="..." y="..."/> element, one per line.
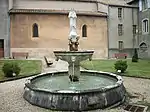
<point x="11" y="93"/>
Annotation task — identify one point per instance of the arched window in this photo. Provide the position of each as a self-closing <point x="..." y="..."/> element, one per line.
<point x="35" y="32"/>
<point x="84" y="31"/>
<point x="143" y="46"/>
<point x="145" y="25"/>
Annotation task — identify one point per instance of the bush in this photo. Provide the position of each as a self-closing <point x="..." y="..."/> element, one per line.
<point x="135" y="56"/>
<point x="10" y="69"/>
<point x="121" y="65"/>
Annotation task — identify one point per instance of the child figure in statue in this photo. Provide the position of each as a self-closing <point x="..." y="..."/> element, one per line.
<point x="73" y="46"/>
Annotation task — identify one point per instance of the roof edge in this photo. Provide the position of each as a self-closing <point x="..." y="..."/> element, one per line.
<point x="63" y="12"/>
<point x="123" y="6"/>
<point x="130" y="2"/>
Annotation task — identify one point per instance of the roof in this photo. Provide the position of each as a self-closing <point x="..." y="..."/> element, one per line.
<point x="113" y="2"/>
<point x="131" y="1"/>
<point x="42" y="11"/>
<point x="116" y="2"/>
<point x="110" y="2"/>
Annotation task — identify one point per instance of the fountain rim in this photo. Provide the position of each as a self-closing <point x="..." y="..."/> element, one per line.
<point x="80" y="51"/>
<point x="104" y="89"/>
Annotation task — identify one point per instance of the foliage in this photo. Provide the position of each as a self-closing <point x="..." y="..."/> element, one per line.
<point x="140" y="69"/>
<point x="28" y="67"/>
<point x="10" y="69"/>
<point x="121" y="65"/>
<point x="135" y="56"/>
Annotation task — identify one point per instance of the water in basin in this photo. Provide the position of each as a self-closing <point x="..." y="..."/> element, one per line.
<point x="62" y="82"/>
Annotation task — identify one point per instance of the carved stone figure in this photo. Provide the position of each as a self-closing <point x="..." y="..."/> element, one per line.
<point x="73" y="37"/>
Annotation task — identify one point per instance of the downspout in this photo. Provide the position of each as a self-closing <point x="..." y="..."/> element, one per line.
<point x="10" y="6"/>
<point x="132" y="28"/>
<point x="108" y="31"/>
<point x="138" y="21"/>
<point x="139" y="25"/>
<point x="8" y="34"/>
<point x="7" y="54"/>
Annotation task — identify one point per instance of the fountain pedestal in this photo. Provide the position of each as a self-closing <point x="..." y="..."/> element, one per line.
<point x="74" y="71"/>
<point x="73" y="58"/>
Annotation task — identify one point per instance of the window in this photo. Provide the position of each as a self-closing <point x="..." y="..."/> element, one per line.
<point x="35" y="30"/>
<point x="143" y="46"/>
<point x="84" y="31"/>
<point x="145" y="26"/>
<point x="120" y="29"/>
<point x="120" y="45"/>
<point x="144" y="4"/>
<point x="119" y="12"/>
<point x="134" y="29"/>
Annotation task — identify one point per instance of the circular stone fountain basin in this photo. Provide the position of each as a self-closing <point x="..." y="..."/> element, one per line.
<point x="93" y="91"/>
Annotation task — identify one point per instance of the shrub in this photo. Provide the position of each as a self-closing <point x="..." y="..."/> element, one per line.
<point x="11" y="68"/>
<point x="135" y="56"/>
<point x="121" y="65"/>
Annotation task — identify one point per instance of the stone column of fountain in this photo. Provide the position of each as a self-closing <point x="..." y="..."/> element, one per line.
<point x="73" y="56"/>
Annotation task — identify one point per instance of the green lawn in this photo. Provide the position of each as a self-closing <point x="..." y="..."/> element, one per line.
<point x="28" y="67"/>
<point x="140" y="69"/>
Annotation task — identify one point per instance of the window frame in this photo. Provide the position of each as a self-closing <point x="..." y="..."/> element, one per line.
<point x="134" y="28"/>
<point x="120" y="11"/>
<point x="84" y="30"/>
<point x="145" y="26"/>
<point x="120" y="29"/>
<point x="35" y="30"/>
<point x="120" y="45"/>
<point x="143" y="46"/>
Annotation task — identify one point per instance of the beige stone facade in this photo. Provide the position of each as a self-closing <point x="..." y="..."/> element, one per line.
<point x="53" y="34"/>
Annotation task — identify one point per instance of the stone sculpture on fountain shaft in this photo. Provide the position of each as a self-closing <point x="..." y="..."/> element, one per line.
<point x="73" y="37"/>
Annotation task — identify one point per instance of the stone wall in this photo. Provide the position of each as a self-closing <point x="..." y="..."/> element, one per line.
<point x="144" y="37"/>
<point x="4" y="26"/>
<point x="130" y="40"/>
<point x="53" y="34"/>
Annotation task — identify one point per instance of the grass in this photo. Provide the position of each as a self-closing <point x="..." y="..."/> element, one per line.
<point x="28" y="67"/>
<point x="139" y="69"/>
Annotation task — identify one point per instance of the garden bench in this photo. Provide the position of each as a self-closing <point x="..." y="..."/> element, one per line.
<point x="19" y="55"/>
<point x="120" y="55"/>
<point x="48" y="63"/>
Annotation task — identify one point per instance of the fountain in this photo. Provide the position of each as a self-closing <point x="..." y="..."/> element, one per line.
<point x="75" y="90"/>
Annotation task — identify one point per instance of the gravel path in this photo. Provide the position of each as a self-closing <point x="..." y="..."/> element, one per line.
<point x="139" y="88"/>
<point x="11" y="94"/>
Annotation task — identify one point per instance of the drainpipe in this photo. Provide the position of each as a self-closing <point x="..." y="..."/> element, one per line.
<point x="132" y="28"/>
<point x="8" y="35"/>
<point x="138" y="21"/>
<point x="8" y="23"/>
<point x="108" y="31"/>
